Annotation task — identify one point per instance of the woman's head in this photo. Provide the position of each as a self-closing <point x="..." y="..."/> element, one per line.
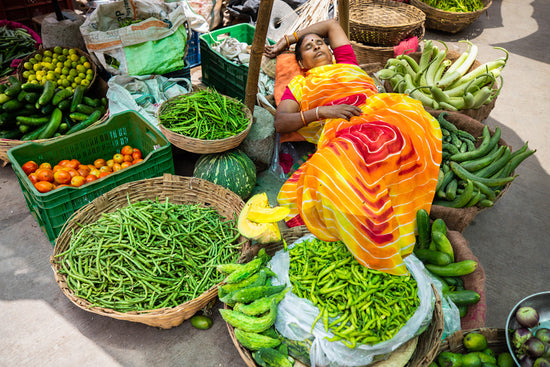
<point x="311" y="51"/>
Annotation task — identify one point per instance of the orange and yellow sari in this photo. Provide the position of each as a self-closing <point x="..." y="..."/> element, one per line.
<point x="370" y="175"/>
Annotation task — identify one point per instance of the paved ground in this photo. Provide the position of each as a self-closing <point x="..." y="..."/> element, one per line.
<point x="40" y="327"/>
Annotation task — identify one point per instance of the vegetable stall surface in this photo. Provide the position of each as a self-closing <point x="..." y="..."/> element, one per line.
<point x="357" y="304"/>
<point x="205" y="114"/>
<point x="149" y="255"/>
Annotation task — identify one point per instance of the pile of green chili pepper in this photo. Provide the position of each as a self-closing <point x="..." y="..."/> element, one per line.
<point x="14" y="44"/>
<point x="459" y="6"/>
<point x="149" y="255"/>
<point x="205" y="114"/>
<point x="357" y="304"/>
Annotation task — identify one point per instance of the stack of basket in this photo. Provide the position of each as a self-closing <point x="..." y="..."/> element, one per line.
<point x="377" y="26"/>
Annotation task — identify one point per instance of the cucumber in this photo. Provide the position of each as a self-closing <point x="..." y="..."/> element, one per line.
<point x="260" y="305"/>
<point x="94" y="102"/>
<point x="274" y="358"/>
<point x="443" y="244"/>
<point x="47" y="93"/>
<point x="456" y="269"/>
<point x="78" y="116"/>
<point x="439" y="226"/>
<point x="4" y="98"/>
<point x="33" y="120"/>
<point x="464" y="297"/>
<point x="423" y="225"/>
<point x="466" y="175"/>
<point x="450" y="190"/>
<point x="14" y="88"/>
<point x="33" y="135"/>
<point x="255" y="341"/>
<point x="31" y="97"/>
<point x="61" y="95"/>
<point x="52" y="125"/>
<point x="9" y="134"/>
<point x="258" y="359"/>
<point x="87" y="122"/>
<point x="249" y="294"/>
<point x="64" y="105"/>
<point x="250" y="323"/>
<point x="201" y="322"/>
<point x="82" y="108"/>
<point x="77" y="97"/>
<point x="428" y="256"/>
<point x="12" y="105"/>
<point x="244" y="271"/>
<point x="32" y="87"/>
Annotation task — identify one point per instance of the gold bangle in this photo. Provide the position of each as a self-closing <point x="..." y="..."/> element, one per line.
<point x="295" y="36"/>
<point x="303" y="118"/>
<point x="317" y="113"/>
<point x="287" y="41"/>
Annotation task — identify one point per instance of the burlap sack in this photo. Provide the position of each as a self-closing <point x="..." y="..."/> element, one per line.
<point x="458" y="219"/>
<point x="475" y="318"/>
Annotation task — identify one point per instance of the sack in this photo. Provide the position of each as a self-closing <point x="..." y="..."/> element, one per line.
<point x="155" y="45"/>
<point x="296" y="315"/>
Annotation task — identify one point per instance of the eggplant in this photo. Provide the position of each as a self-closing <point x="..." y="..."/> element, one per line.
<point x="527" y="316"/>
<point x="526" y="361"/>
<point x="520" y="336"/>
<point x="543" y="334"/>
<point x="535" y="348"/>
<point x="541" y="362"/>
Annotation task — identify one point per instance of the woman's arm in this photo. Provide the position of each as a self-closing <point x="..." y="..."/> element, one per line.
<point x="327" y="29"/>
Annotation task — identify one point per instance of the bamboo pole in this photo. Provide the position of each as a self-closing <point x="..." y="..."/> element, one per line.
<point x="256" y="52"/>
<point x="343" y="15"/>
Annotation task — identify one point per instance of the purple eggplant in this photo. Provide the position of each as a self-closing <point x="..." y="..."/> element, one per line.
<point x="520" y="336"/>
<point x="535" y="348"/>
<point x="526" y="361"/>
<point x="541" y="362"/>
<point x="543" y="334"/>
<point x="527" y="316"/>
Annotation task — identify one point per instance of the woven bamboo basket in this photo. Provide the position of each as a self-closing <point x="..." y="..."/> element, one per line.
<point x="480" y="113"/>
<point x="367" y="54"/>
<point x="179" y="190"/>
<point x="448" y="21"/>
<point x="458" y="219"/>
<point x="428" y="342"/>
<point x="21" y="69"/>
<point x="382" y="22"/>
<point x="496" y="340"/>
<point x="201" y="146"/>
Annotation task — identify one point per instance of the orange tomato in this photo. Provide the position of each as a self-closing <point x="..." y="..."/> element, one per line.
<point x="105" y="169"/>
<point x="83" y="171"/>
<point x="45" y="165"/>
<point x="33" y="178"/>
<point x="62" y="177"/>
<point x="78" y="181"/>
<point x="104" y="173"/>
<point x="116" y="167"/>
<point x="127" y="158"/>
<point x="64" y="163"/>
<point x="72" y="172"/>
<point x="136" y="153"/>
<point x="91" y="178"/>
<point x="125" y="165"/>
<point x="95" y="172"/>
<point x="110" y="163"/>
<point x="62" y="185"/>
<point x="100" y="162"/>
<point x="118" y="158"/>
<point x="29" y="167"/>
<point x="57" y="167"/>
<point x="126" y="150"/>
<point x="44" y="186"/>
<point x="44" y="174"/>
<point x="136" y="161"/>
<point x="73" y="163"/>
<point x="92" y="167"/>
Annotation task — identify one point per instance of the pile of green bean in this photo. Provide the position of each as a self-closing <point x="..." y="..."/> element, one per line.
<point x="205" y="114"/>
<point x="458" y="6"/>
<point x="357" y="304"/>
<point x="149" y="255"/>
<point x="14" y="44"/>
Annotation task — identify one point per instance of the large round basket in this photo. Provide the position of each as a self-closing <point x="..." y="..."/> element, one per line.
<point x="382" y="22"/>
<point x="480" y="113"/>
<point x="79" y="52"/>
<point x="179" y="190"/>
<point x="428" y="342"/>
<point x="367" y="53"/>
<point x="459" y="218"/>
<point x="201" y="146"/>
<point x="449" y="21"/>
<point x="496" y="340"/>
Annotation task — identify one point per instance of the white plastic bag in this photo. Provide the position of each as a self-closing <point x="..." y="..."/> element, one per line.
<point x="143" y="94"/>
<point x="296" y="315"/>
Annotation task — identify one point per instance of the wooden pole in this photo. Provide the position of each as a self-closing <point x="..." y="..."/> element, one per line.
<point x="343" y="15"/>
<point x="256" y="52"/>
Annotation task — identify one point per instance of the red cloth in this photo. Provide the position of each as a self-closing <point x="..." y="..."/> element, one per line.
<point x="406" y="46"/>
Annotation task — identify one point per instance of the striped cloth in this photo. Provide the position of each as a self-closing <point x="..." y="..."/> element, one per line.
<point x="370" y="175"/>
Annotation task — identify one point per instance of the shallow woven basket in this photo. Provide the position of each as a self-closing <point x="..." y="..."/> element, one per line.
<point x="458" y="219"/>
<point x="21" y="69"/>
<point x="201" y="146"/>
<point x="382" y="22"/>
<point x="496" y="340"/>
<point x="180" y="190"/>
<point x="480" y="113"/>
<point x="367" y="54"/>
<point x="428" y="342"/>
<point x="448" y="21"/>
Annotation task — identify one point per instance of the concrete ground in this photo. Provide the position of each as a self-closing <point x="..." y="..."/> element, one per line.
<point x="39" y="326"/>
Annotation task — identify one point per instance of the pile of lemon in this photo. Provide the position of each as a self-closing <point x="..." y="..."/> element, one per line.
<point x="63" y="66"/>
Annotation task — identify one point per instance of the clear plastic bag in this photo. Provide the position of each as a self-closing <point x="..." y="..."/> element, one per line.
<point x="451" y="314"/>
<point x="296" y="315"/>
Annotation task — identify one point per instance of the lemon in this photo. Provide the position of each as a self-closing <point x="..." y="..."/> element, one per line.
<point x="80" y="68"/>
<point x="65" y="83"/>
<point x="47" y="59"/>
<point x="89" y="71"/>
<point x="32" y="60"/>
<point x="89" y="77"/>
<point x="72" y="72"/>
<point x="87" y="65"/>
<point x="58" y="70"/>
<point x="57" y="49"/>
<point x="27" y="65"/>
<point x="74" y="58"/>
<point x="36" y="67"/>
<point x="62" y="58"/>
<point x="59" y="64"/>
<point x="32" y="78"/>
<point x="475" y="342"/>
<point x="65" y="51"/>
<point x="26" y="74"/>
<point x="67" y="63"/>
<point x="47" y="53"/>
<point x="38" y="57"/>
<point x="85" y="82"/>
<point x="83" y="59"/>
<point x="74" y="85"/>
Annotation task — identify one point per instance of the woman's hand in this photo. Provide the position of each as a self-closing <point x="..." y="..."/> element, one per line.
<point x="339" y="111"/>
<point x="272" y="51"/>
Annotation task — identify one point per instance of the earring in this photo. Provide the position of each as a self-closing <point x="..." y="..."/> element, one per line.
<point x="301" y="65"/>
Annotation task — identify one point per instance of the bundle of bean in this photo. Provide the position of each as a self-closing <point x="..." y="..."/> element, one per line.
<point x="205" y="114"/>
<point x="357" y="304"/>
<point x="149" y="255"/>
<point x="458" y="6"/>
<point x="471" y="176"/>
<point x="14" y="44"/>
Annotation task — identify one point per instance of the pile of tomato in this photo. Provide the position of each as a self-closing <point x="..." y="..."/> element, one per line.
<point x="73" y="173"/>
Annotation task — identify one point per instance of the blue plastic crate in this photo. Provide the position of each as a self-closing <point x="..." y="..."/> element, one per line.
<point x="193" y="57"/>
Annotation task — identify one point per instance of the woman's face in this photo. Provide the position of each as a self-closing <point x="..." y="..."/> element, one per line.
<point x="315" y="52"/>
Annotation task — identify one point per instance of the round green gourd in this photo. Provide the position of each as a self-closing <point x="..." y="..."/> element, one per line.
<point x="233" y="170"/>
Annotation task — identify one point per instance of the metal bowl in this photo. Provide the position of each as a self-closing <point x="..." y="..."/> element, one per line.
<point x="541" y="303"/>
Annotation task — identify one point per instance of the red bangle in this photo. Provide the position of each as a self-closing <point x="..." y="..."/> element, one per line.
<point x="303" y="118"/>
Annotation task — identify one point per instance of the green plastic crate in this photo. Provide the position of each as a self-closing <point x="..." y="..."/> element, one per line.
<point x="225" y="76"/>
<point x="52" y="209"/>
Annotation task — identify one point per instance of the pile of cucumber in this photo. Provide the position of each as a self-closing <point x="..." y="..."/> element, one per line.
<point x="31" y="111"/>
<point x="471" y="175"/>
<point x="248" y="290"/>
<point x="434" y="249"/>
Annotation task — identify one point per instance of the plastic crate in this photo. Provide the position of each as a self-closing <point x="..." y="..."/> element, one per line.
<point x="23" y="11"/>
<point x="225" y="76"/>
<point x="52" y="209"/>
<point x="193" y="51"/>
